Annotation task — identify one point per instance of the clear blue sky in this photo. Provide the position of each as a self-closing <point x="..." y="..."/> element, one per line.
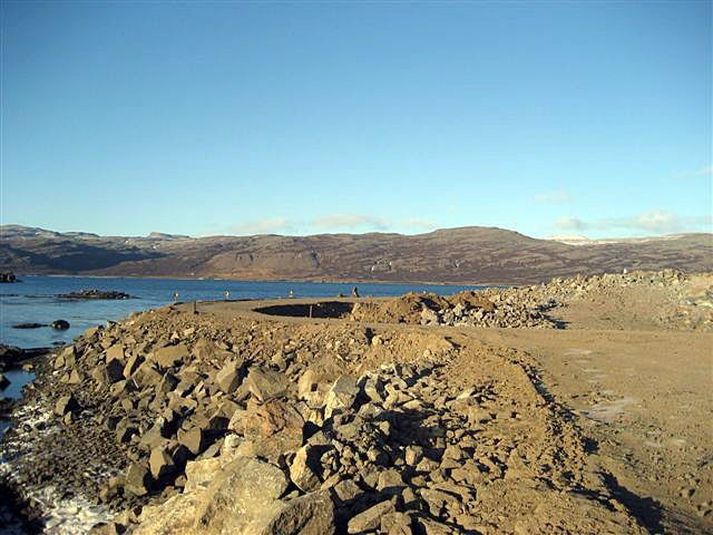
<point x="549" y="118"/>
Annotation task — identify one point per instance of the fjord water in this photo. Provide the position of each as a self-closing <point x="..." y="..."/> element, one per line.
<point x="35" y="300"/>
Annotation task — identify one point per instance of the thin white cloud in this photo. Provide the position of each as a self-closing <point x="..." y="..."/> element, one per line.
<point x="337" y="222"/>
<point x="262" y="226"/>
<point x="553" y="197"/>
<point x="700" y="173"/>
<point x="350" y="222"/>
<point x="415" y="223"/>
<point x="654" y="221"/>
<point x="570" y="223"/>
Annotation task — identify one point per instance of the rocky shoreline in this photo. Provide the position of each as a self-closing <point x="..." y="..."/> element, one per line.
<point x="171" y="421"/>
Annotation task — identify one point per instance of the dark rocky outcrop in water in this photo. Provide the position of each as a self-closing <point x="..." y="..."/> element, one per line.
<point x="12" y="356"/>
<point x="95" y="294"/>
<point x="8" y="276"/>
<point x="60" y="325"/>
<point x="29" y="325"/>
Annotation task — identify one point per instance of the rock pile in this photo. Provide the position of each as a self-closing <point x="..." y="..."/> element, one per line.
<point x="567" y="289"/>
<point x="534" y="306"/>
<point x="117" y="415"/>
<point x="470" y="308"/>
<point x="395" y="451"/>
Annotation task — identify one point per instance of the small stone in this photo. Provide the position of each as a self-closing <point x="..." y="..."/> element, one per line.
<point x="396" y="524"/>
<point x="73" y="378"/>
<point x="104" y="528"/>
<point x="131" y="366"/>
<point x="390" y="481"/>
<point x="413" y="455"/>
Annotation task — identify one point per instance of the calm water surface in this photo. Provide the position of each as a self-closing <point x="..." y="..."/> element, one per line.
<point x="35" y="300"/>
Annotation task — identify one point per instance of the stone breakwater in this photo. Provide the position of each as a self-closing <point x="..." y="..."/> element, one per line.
<point x="174" y="422"/>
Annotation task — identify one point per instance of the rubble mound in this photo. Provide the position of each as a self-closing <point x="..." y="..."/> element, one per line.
<point x="669" y="298"/>
<point x="469" y="308"/>
<point x="174" y="422"/>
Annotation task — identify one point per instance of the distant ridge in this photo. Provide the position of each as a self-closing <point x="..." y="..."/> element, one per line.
<point x="460" y="255"/>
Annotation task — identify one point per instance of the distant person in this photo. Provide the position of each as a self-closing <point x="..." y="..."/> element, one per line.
<point x="227" y="294"/>
<point x="355" y="292"/>
<point x="291" y="294"/>
<point x="176" y="295"/>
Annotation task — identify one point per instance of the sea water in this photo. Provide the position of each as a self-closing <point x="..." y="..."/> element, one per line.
<point x="35" y="300"/>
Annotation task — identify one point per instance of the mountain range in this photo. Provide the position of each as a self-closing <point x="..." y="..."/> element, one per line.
<point x="459" y="255"/>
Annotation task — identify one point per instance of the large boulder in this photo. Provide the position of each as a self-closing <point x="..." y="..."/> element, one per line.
<point x="170" y="356"/>
<point x="312" y="514"/>
<point x="228" y="379"/>
<point x="275" y="427"/>
<point x="304" y="470"/>
<point x="246" y="489"/>
<point x="138" y="480"/>
<point x="341" y="396"/>
<point x="161" y="462"/>
<point x="266" y="384"/>
<point x="370" y="519"/>
<point x="193" y="439"/>
<point x="66" y="404"/>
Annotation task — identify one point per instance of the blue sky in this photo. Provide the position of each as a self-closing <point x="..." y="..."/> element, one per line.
<point x="550" y="118"/>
